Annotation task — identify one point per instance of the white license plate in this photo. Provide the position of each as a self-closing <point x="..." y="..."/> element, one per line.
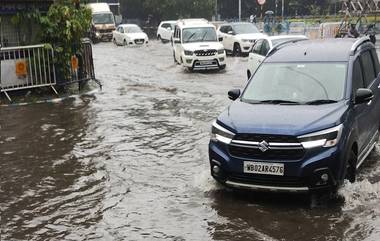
<point x="276" y="169"/>
<point x="206" y="62"/>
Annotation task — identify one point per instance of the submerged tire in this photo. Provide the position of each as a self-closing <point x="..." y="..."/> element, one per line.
<point x="351" y="167"/>
<point x="237" y="50"/>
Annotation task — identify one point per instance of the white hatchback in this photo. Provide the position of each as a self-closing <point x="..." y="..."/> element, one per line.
<point x="262" y="47"/>
<point x="129" y="34"/>
<point x="165" y="31"/>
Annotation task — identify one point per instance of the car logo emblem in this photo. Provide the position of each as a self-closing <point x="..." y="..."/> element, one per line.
<point x="263" y="146"/>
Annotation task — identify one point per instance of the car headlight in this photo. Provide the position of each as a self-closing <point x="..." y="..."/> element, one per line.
<point x="188" y="53"/>
<point x="219" y="133"/>
<point x="325" y="138"/>
<point x="97" y="34"/>
<point x="221" y="51"/>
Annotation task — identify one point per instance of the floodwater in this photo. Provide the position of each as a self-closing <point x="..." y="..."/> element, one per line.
<point x="131" y="163"/>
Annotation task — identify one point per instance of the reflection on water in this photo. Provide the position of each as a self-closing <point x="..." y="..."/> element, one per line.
<point x="132" y="164"/>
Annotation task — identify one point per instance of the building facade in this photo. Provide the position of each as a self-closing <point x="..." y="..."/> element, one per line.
<point x="14" y="31"/>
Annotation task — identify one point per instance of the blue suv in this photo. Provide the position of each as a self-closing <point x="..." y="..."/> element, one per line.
<point x="306" y="120"/>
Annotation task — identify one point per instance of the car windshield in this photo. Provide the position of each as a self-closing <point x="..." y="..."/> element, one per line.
<point x="103" y="18"/>
<point x="299" y="83"/>
<point x="133" y="29"/>
<point x="278" y="41"/>
<point x="245" y="28"/>
<point x="205" y="34"/>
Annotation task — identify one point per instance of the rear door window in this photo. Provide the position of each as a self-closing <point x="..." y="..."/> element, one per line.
<point x="357" y="76"/>
<point x="368" y="68"/>
<point x="264" y="48"/>
<point x="257" y="47"/>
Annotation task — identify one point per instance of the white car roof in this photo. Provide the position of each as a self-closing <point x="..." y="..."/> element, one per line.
<point x="271" y="38"/>
<point x="168" y="21"/>
<point x="128" y="25"/>
<point x="194" y="23"/>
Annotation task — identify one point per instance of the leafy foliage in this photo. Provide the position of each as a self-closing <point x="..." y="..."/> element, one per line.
<point x="63" y="27"/>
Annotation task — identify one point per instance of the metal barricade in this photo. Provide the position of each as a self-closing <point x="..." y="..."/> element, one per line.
<point x="84" y="71"/>
<point x="26" y="67"/>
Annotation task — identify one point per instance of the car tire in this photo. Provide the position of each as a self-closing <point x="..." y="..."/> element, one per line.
<point x="249" y="74"/>
<point x="159" y="37"/>
<point x="351" y="166"/>
<point x="190" y="69"/>
<point x="237" y="50"/>
<point x="125" y="43"/>
<point x="114" y="41"/>
<point x="175" y="60"/>
<point x="222" y="67"/>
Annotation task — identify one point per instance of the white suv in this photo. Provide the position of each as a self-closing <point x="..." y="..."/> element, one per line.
<point x="196" y="45"/>
<point x="239" y="37"/>
<point x="165" y="31"/>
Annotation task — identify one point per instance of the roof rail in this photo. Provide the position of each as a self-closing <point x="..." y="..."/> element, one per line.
<point x="278" y="46"/>
<point x="359" y="42"/>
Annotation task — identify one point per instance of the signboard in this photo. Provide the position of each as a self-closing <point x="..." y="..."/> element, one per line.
<point x="261" y="2"/>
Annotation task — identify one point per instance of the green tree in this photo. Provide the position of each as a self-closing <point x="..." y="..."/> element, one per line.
<point x="63" y="27"/>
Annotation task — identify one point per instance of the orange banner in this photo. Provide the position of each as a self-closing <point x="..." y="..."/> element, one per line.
<point x="21" y="68"/>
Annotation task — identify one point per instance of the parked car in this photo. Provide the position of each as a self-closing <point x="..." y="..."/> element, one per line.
<point x="261" y="48"/>
<point x="297" y="28"/>
<point x="129" y="34"/>
<point x="196" y="46"/>
<point x="238" y="38"/>
<point x="305" y="122"/>
<point x="165" y="31"/>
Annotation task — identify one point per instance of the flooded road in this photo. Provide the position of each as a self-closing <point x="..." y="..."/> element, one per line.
<point x="131" y="163"/>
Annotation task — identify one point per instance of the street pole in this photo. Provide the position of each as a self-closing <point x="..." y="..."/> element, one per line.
<point x="239" y="10"/>
<point x="282" y="9"/>
<point x="216" y="10"/>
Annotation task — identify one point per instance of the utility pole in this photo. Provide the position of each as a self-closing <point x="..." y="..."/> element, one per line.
<point x="216" y="10"/>
<point x="282" y="9"/>
<point x="239" y="10"/>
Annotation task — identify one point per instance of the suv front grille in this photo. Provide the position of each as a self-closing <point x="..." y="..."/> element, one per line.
<point x="271" y="154"/>
<point x="207" y="52"/>
<point x="276" y="147"/>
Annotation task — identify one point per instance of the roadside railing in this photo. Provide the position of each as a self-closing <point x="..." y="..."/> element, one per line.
<point x="82" y="66"/>
<point x="33" y="66"/>
<point x="26" y="67"/>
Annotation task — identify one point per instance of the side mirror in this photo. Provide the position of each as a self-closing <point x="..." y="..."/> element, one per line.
<point x="177" y="41"/>
<point x="234" y="94"/>
<point x="220" y="39"/>
<point x="231" y="33"/>
<point x="363" y="96"/>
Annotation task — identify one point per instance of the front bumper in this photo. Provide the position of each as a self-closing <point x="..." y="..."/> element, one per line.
<point x="246" y="47"/>
<point x="138" y="42"/>
<point x="302" y="175"/>
<point x="217" y="61"/>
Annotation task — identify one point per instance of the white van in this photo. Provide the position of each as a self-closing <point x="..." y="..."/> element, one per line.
<point x="103" y="21"/>
<point x="196" y="45"/>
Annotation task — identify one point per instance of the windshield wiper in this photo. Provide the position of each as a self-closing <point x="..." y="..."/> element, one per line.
<point x="320" y="102"/>
<point x="279" y="102"/>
